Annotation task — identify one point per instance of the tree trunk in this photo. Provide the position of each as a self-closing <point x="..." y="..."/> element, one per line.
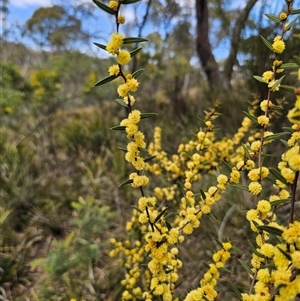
<point x="204" y="50"/>
<point x="235" y="39"/>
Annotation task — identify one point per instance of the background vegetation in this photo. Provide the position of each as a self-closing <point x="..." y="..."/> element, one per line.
<point x="59" y="163"/>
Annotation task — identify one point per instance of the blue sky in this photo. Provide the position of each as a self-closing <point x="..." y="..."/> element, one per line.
<point x="21" y="10"/>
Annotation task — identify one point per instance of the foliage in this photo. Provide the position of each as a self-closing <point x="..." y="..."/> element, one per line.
<point x="196" y="224"/>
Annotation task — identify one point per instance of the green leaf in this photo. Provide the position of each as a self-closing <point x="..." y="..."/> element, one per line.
<point x="101" y="46"/>
<point x="289" y="66"/>
<point x="147" y="115"/>
<point x="277" y="83"/>
<point x="288" y="88"/>
<point x="123" y="149"/>
<point x="279" y="202"/>
<point x="134" y="40"/>
<point x="105" y="80"/>
<point x="130" y="1"/>
<point x="205" y="298"/>
<point x="271" y="230"/>
<point x="284" y="143"/>
<point x="135" y="51"/>
<point x="121" y="102"/>
<point x="275" y="136"/>
<point x="253" y="249"/>
<point x="149" y="159"/>
<point x="250" y="116"/>
<point x="267" y="43"/>
<point x="295" y="12"/>
<point x="288" y="26"/>
<point x="138" y="209"/>
<point x="241" y="187"/>
<point x="136" y="73"/>
<point x="203" y="194"/>
<point x="118" y="128"/>
<point x="228" y="167"/>
<point x="236" y="291"/>
<point x="273" y="18"/>
<point x="160" y="215"/>
<point x="246" y="267"/>
<point x="104" y="7"/>
<point x="247" y="155"/>
<point x="287" y="255"/>
<point x="259" y="78"/>
<point x="297" y="59"/>
<point x="129" y="181"/>
<point x="278" y="175"/>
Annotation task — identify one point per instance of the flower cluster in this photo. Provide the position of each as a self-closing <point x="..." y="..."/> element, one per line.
<point x="207" y="291"/>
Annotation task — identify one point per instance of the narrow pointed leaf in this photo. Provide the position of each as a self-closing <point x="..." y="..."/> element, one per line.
<point x="277" y="83"/>
<point x="253" y="249"/>
<point x="250" y="116"/>
<point x="129" y="181"/>
<point x="236" y="291"/>
<point x="101" y="46"/>
<point x="278" y="175"/>
<point x="138" y="209"/>
<point x="271" y="230"/>
<point x="136" y="73"/>
<point x="297" y="59"/>
<point x="273" y="18"/>
<point x="203" y="194"/>
<point x="267" y="43"/>
<point x="147" y="115"/>
<point x="118" y="128"/>
<point x="122" y="149"/>
<point x="121" y="102"/>
<point x="130" y="1"/>
<point x="160" y="215"/>
<point x="241" y="187"/>
<point x="288" y="26"/>
<point x="295" y="12"/>
<point x="135" y="51"/>
<point x="134" y="40"/>
<point x="246" y="267"/>
<point x="275" y="136"/>
<point x="104" y="7"/>
<point x="228" y="167"/>
<point x="289" y="66"/>
<point x="279" y="202"/>
<point x="288" y="88"/>
<point x="105" y="80"/>
<point x="287" y="255"/>
<point x="259" y="78"/>
<point x="149" y="159"/>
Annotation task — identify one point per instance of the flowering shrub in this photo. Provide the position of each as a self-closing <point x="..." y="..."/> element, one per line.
<point x="151" y="254"/>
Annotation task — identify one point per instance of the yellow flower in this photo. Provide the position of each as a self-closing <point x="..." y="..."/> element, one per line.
<point x="263" y="120"/>
<point x="282" y="16"/>
<point x="268" y="76"/>
<point x="123" y="57"/>
<point x="255" y="188"/>
<point x="278" y="45"/>
<point x="267" y="250"/>
<point x="132" y="84"/>
<point x="121" y="19"/>
<point x="113" y="5"/>
<point x="296" y="259"/>
<point x="114" y="70"/>
<point x="123" y="90"/>
<point x="264" y="206"/>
